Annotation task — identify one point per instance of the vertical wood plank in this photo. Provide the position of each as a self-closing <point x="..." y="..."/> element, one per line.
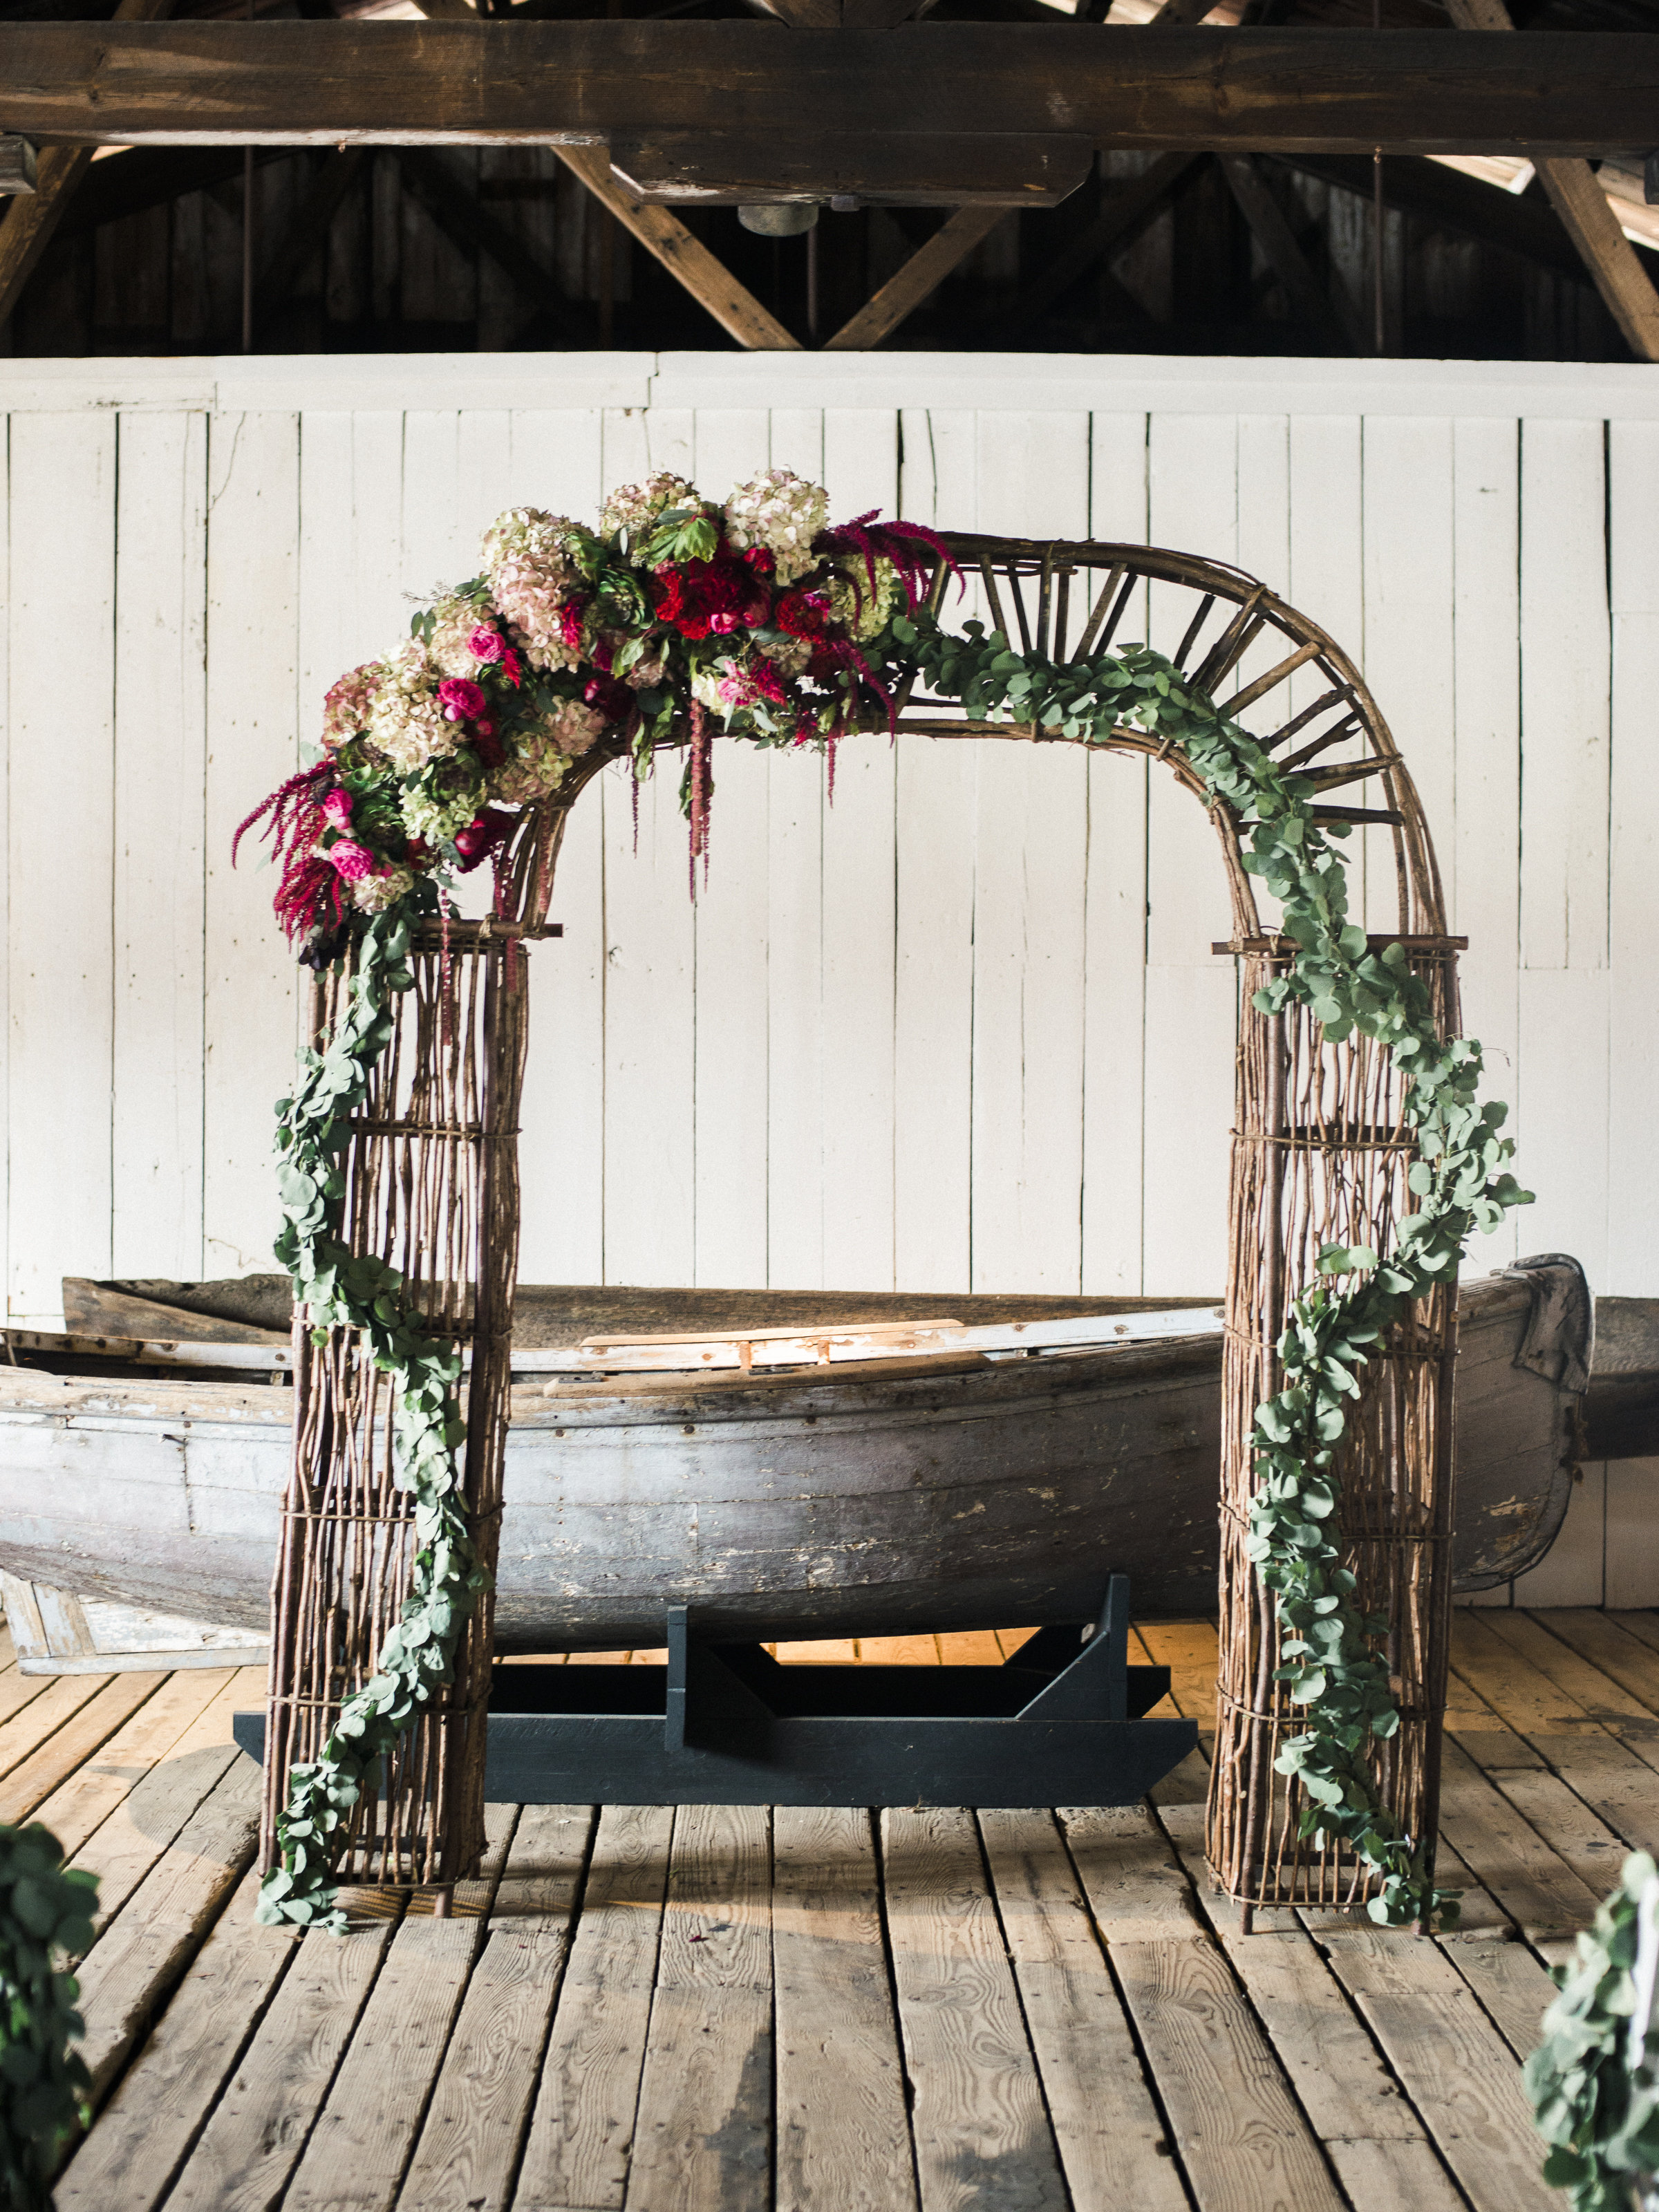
<point x="1482" y="857"/>
<point x="253" y="581"/>
<point x="650" y="1036"/>
<point x="1633" y="1256"/>
<point x="161" y="764"/>
<point x="61" y="771"/>
<point x="933" y="974"/>
<point x="794" y="980"/>
<point x="1408" y="490"/>
<point x="1190" y="994"/>
<point x="982" y="2134"/>
<point x="860" y="470"/>
<point x="1031" y="854"/>
<point x="704" y="2142"/>
<point x="1114" y="929"/>
<point x="731" y="928"/>
<point x="1564" y="697"/>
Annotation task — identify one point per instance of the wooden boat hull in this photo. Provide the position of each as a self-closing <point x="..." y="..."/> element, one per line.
<point x="934" y="1493"/>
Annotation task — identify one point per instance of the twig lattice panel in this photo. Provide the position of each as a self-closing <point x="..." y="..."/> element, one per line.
<point x="432" y="1186"/>
<point x="1320" y="1156"/>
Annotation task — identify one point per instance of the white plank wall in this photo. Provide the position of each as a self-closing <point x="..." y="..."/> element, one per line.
<point x="960" y="1029"/>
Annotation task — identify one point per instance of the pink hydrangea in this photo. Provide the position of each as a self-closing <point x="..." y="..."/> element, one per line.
<point x="347" y="704"/>
<point x="461" y="700"/>
<point x="353" y="861"/>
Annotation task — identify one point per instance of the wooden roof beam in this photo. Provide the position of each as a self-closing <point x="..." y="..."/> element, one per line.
<point x="399" y="82"/>
<point x="1591" y="224"/>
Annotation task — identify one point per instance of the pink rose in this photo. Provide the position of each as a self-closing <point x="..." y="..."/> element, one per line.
<point x="485" y="644"/>
<point x="486" y="728"/>
<point x="354" y="861"/>
<point x="460" y="699"/>
<point x="336" y="810"/>
<point x="723" y="625"/>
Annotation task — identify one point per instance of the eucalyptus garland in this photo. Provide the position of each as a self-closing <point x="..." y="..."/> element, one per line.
<point x="1593" y="2081"/>
<point x="1332" y="1667"/>
<point x="362" y="1293"/>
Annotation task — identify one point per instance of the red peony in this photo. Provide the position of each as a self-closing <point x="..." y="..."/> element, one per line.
<point x="460" y="698"/>
<point x="706" y="598"/>
<point x="803" y="614"/>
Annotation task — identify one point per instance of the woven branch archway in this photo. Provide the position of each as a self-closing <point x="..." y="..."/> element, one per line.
<point x="1320" y="1155"/>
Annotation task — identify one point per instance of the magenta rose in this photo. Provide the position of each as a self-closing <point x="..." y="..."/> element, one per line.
<point x="460" y="699"/>
<point x="485" y="644"/>
<point x="353" y="861"/>
<point x="336" y="810"/>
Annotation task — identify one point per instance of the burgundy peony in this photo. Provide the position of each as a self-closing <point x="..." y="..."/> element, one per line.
<point x="352" y="860"/>
<point x="803" y="614"/>
<point x="706" y="598"/>
<point x="460" y="698"/>
<point x="481" y="835"/>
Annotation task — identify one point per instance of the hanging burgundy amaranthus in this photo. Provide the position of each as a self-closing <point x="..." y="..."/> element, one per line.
<point x="674" y="622"/>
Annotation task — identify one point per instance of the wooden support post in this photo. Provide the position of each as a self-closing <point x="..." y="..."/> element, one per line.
<point x="710" y="283"/>
<point x="32" y="217"/>
<point x="1333" y="319"/>
<point x="1594" y="228"/>
<point x="921" y="276"/>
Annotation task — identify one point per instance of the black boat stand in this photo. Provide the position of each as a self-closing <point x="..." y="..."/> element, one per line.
<point x="1060" y="1722"/>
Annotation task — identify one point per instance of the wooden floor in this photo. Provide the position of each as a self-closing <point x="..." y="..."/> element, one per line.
<point x="636" y="2010"/>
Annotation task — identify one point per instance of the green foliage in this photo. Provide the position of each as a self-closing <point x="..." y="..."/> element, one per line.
<point x="362" y="1292"/>
<point x="45" y="1911"/>
<point x="1599" y="2115"/>
<point x="1333" y="1667"/>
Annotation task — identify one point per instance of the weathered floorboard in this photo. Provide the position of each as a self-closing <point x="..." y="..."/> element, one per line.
<point x="582" y="2129"/>
<point x="365" y="2133"/>
<point x="704" y="2142"/>
<point x="469" y="2147"/>
<point x="843" y="2143"/>
<point x="982" y="2134"/>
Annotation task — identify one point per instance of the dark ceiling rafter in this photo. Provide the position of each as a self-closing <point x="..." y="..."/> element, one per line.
<point x="312" y="83"/>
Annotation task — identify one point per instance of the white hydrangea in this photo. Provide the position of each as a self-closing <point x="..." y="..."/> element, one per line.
<point x="454" y="621"/>
<point x="406" y="724"/>
<point x="861" y="608"/>
<point x="634" y="508"/>
<point x="782" y="512"/>
<point x="537" y="768"/>
<point x="435" y="816"/>
<point x="531" y="576"/>
<point x="373" y="894"/>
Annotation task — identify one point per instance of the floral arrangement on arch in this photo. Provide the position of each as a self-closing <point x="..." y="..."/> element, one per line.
<point x="676" y="620"/>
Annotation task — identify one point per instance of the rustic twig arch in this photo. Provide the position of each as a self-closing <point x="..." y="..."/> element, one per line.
<point x="415" y="1095"/>
<point x="1320" y="1154"/>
